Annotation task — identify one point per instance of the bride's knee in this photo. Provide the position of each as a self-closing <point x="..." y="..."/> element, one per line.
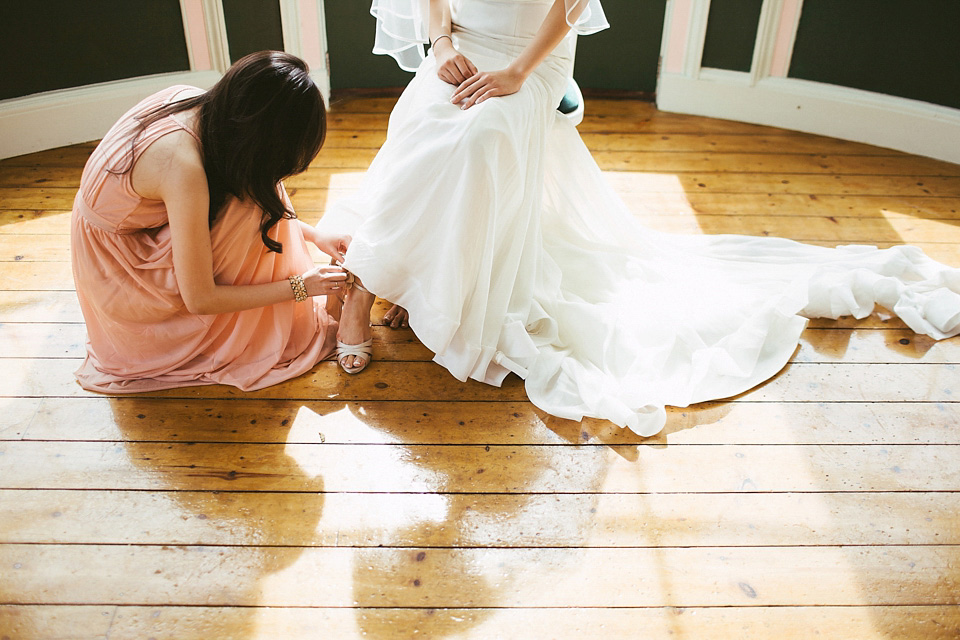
<point x="488" y="127"/>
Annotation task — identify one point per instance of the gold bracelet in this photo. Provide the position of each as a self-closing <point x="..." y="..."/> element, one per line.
<point x="299" y="290"/>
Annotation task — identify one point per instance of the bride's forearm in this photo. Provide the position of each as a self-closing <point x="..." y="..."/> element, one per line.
<point x="439" y="19"/>
<point x="551" y="32"/>
<point x="452" y="67"/>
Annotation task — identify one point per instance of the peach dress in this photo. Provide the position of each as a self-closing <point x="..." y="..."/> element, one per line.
<point x="141" y="337"/>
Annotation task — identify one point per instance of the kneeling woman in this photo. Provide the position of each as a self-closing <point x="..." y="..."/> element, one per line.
<point x="189" y="264"/>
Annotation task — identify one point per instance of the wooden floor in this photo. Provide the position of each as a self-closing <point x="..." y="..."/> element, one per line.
<point x="403" y="504"/>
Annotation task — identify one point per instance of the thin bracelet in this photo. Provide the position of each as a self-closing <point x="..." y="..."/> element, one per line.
<point x="299" y="290"/>
<point x="446" y="35"/>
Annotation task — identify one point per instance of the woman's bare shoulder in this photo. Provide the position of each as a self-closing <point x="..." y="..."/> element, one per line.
<point x="173" y="160"/>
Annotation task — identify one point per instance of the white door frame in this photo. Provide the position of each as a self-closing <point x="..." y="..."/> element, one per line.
<point x="305" y="35"/>
<point x="80" y="114"/>
<point x="766" y="95"/>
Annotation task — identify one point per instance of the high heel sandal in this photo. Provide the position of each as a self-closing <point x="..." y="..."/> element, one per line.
<point x="363" y="350"/>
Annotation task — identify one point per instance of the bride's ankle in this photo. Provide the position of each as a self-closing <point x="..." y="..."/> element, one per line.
<point x="356" y="310"/>
<point x="359" y="298"/>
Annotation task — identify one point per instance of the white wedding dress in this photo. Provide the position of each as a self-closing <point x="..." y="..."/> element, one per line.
<point x="496" y="230"/>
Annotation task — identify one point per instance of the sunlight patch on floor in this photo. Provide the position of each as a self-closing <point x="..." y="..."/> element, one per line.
<point x="912" y="229"/>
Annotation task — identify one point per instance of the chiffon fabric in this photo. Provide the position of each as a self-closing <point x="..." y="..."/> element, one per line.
<point x="141" y="337"/>
<point x="403" y="26"/>
<point x="496" y="230"/>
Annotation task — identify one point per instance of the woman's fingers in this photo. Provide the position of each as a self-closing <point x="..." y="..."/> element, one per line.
<point x="451" y="73"/>
<point x="336" y="280"/>
<point x="480" y="96"/>
<point x="453" y="67"/>
<point x="333" y="271"/>
<point x="463" y="66"/>
<point x="324" y="280"/>
<point x="487" y="85"/>
<point x="467" y="87"/>
<point x="333" y="283"/>
<point x="474" y="92"/>
<point x="343" y="244"/>
<point x="334" y="245"/>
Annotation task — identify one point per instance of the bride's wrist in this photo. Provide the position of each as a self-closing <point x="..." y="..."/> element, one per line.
<point x="442" y="44"/>
<point x="518" y="70"/>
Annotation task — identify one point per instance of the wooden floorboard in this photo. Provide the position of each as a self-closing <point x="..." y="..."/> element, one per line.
<point x="403" y="503"/>
<point x="459" y="469"/>
<point x="707" y="623"/>
<point x="286" y="421"/>
<point x="350" y="519"/>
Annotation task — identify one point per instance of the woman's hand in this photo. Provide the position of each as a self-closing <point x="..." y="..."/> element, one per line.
<point x="334" y="245"/>
<point x="325" y="280"/>
<point x="452" y="66"/>
<point x="481" y="86"/>
<point x="488" y="84"/>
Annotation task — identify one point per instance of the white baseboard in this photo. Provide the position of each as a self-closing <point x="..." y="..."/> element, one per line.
<point x="800" y="105"/>
<point x="59" y="118"/>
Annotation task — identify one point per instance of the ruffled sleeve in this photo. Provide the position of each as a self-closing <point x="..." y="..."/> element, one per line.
<point x="585" y="16"/>
<point x="403" y="29"/>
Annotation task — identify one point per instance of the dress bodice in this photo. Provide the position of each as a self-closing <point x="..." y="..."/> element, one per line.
<point x="500" y="18"/>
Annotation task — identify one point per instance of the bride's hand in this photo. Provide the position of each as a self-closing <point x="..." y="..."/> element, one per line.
<point x="488" y="84"/>
<point x="452" y="66"/>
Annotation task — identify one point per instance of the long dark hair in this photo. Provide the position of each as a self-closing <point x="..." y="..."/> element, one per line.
<point x="263" y="121"/>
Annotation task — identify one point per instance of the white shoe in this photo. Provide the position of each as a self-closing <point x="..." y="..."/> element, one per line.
<point x="363" y="350"/>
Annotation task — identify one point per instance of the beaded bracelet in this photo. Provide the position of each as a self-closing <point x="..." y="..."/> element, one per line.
<point x="299" y="290"/>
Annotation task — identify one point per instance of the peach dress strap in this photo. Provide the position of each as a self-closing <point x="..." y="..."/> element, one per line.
<point x="108" y="171"/>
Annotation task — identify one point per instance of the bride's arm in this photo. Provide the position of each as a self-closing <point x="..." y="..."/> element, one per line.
<point x="452" y="66"/>
<point x="485" y="85"/>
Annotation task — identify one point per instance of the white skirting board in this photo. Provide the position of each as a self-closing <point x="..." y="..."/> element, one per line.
<point x="59" y="118"/>
<point x="68" y="116"/>
<point x="838" y="112"/>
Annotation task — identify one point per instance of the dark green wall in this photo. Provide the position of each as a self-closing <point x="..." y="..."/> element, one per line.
<point x="626" y="55"/>
<point x="622" y="57"/>
<point x="252" y="25"/>
<point x="350" y="33"/>
<point x="56" y="44"/>
<point x="731" y="34"/>
<point x="907" y="49"/>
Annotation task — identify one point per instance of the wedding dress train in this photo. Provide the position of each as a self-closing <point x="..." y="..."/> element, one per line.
<point x="494" y="227"/>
